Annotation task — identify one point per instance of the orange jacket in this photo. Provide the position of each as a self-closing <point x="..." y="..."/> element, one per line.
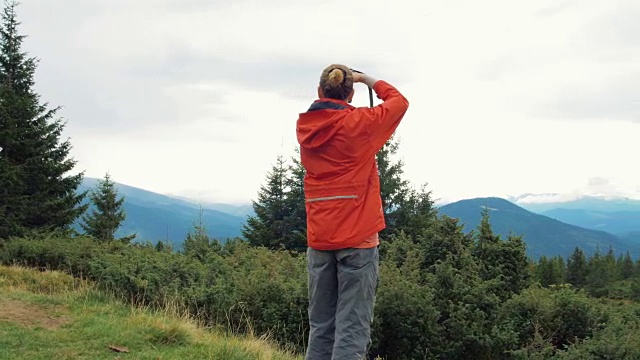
<point x="338" y="144"/>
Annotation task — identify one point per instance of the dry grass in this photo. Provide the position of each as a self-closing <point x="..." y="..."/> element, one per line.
<point x="88" y="321"/>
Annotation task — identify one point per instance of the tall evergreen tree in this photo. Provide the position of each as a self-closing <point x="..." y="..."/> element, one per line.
<point x="486" y="241"/>
<point x="577" y="268"/>
<point x="626" y="267"/>
<point x="611" y="264"/>
<point x="504" y="262"/>
<point x="393" y="188"/>
<point x="105" y="219"/>
<point x="296" y="217"/>
<point x="35" y="191"/>
<point x="601" y="274"/>
<point x="268" y="227"/>
<point x="414" y="213"/>
<point x="549" y="271"/>
<point x="467" y="305"/>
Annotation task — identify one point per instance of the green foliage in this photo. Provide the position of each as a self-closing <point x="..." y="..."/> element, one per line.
<point x="544" y="236"/>
<point x="393" y="188"/>
<point x="550" y="271"/>
<point x="412" y="214"/>
<point x="443" y="293"/>
<point x="71" y="319"/>
<point x="601" y="274"/>
<point x="198" y="245"/>
<point x="235" y="287"/>
<point x="107" y="215"/>
<point x="544" y="321"/>
<point x="620" y="339"/>
<point x="35" y="192"/>
<point x="52" y="252"/>
<point x="625" y="267"/>
<point x="271" y="291"/>
<point x="405" y="318"/>
<point x="277" y="223"/>
<point x="502" y="263"/>
<point x="577" y="268"/>
<point x="296" y="218"/>
<point x="435" y="289"/>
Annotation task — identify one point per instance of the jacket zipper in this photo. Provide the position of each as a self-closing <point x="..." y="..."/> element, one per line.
<point x="333" y="198"/>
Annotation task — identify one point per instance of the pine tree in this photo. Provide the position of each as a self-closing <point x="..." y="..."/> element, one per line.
<point x="393" y="188"/>
<point x="105" y="219"/>
<point x="610" y="265"/>
<point x="577" y="268"/>
<point x="549" y="271"/>
<point x="467" y="305"/>
<point x="296" y="217"/>
<point x="559" y="269"/>
<point x="268" y="227"/>
<point x="626" y="267"/>
<point x="502" y="262"/>
<point x="600" y="274"/>
<point x="198" y="245"/>
<point x="35" y="192"/>
<point x="486" y="241"/>
<point x="414" y="213"/>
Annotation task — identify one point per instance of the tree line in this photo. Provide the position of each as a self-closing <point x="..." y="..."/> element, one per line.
<point x="600" y="274"/>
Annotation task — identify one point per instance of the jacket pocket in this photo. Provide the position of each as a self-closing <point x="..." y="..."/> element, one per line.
<point x="333" y="211"/>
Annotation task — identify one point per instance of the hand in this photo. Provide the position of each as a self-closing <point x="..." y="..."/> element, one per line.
<point x="357" y="77"/>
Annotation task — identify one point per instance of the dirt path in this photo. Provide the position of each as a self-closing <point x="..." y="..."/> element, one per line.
<point x="29" y="315"/>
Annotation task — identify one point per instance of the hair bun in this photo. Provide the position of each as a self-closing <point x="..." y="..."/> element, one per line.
<point x="335" y="78"/>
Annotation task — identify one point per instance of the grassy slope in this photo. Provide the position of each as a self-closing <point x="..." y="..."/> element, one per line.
<point x="49" y="315"/>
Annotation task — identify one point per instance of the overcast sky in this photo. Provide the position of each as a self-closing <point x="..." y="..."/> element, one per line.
<point x="198" y="98"/>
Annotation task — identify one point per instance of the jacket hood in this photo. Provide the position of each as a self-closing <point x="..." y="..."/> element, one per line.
<point x="318" y="125"/>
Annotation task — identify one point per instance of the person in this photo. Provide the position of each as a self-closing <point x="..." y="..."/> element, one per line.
<point x="338" y="144"/>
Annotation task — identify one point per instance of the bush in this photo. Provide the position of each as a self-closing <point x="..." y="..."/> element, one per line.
<point x="405" y="318"/>
<point x="620" y="339"/>
<point x="272" y="291"/>
<point x="424" y="310"/>
<point x="548" y="320"/>
<point x="50" y="252"/>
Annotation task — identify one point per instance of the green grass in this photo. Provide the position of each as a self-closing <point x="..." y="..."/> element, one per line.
<point x="50" y="315"/>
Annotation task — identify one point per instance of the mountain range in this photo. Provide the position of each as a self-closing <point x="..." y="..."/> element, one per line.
<point x="155" y="217"/>
<point x="544" y="235"/>
<point x="618" y="216"/>
<point x="553" y="228"/>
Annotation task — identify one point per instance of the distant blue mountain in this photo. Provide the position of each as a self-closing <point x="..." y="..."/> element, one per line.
<point x="633" y="237"/>
<point x="242" y="210"/>
<point x="618" y="216"/>
<point x="615" y="222"/>
<point x="592" y="203"/>
<point x="543" y="235"/>
<point x="155" y="217"/>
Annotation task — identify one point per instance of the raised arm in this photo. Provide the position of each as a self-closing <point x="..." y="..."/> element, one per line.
<point x="384" y="118"/>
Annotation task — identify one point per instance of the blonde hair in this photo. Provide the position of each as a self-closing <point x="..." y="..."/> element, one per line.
<point x="336" y="82"/>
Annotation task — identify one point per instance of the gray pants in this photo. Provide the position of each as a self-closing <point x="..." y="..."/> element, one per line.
<point x="342" y="290"/>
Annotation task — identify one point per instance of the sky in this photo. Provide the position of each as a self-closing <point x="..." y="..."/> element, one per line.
<point x="197" y="98"/>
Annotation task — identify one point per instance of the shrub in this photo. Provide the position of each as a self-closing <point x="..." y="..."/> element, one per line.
<point x="550" y="319"/>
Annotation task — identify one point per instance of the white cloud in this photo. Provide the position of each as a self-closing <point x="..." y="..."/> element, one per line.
<point x="199" y="97"/>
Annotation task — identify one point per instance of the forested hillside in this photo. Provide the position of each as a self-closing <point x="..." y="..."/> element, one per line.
<point x="544" y="235"/>
<point x="155" y="217"/>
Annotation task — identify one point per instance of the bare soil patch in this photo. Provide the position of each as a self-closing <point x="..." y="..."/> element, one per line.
<point x="29" y="315"/>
